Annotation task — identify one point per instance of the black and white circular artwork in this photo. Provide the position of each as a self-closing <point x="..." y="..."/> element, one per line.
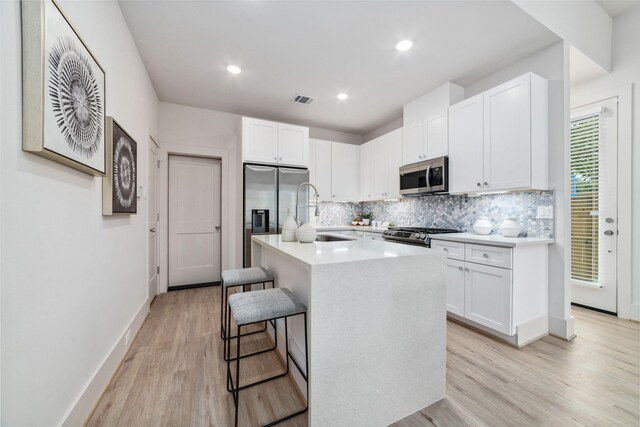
<point x="124" y="172"/>
<point x="75" y="98"/>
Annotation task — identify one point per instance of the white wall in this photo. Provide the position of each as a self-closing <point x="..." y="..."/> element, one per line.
<point x="72" y="280"/>
<point x="197" y="131"/>
<point x="550" y="64"/>
<point x="625" y="70"/>
<point x="583" y="24"/>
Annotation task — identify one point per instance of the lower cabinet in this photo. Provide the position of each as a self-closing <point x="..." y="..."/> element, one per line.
<point x="503" y="299"/>
<point x="487" y="296"/>
<point x="455" y="287"/>
<point x="373" y="236"/>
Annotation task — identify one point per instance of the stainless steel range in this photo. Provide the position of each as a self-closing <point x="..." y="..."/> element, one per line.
<point x="415" y="235"/>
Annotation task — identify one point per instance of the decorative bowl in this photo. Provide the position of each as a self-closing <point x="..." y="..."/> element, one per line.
<point x="483" y="226"/>
<point x="510" y="228"/>
<point x="306" y="233"/>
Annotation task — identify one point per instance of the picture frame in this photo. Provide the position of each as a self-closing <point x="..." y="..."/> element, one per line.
<point x="63" y="91"/>
<point x="119" y="184"/>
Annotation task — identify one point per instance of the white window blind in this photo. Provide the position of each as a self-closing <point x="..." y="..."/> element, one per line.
<point x="585" y="197"/>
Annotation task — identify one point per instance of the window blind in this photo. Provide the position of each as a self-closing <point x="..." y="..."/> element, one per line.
<point x="585" y="197"/>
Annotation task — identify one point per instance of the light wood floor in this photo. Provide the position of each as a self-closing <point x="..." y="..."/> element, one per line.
<point x="174" y="375"/>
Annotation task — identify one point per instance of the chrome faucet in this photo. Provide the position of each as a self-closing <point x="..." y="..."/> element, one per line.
<point x="317" y="211"/>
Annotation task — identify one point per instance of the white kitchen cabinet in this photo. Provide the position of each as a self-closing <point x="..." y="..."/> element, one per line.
<point x="345" y="172"/>
<point x="320" y="167"/>
<point x="466" y="145"/>
<point x="487" y="296"/>
<point x="425" y="123"/>
<point x="365" y="172"/>
<point x="455" y="287"/>
<point x="274" y="143"/>
<point x="498" y="140"/>
<point x="501" y="290"/>
<point x="386" y="159"/>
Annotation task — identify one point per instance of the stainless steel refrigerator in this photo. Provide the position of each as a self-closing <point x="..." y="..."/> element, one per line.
<point x="269" y="192"/>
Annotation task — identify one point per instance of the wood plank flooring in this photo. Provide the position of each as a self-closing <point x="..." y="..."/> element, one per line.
<point x="174" y="375"/>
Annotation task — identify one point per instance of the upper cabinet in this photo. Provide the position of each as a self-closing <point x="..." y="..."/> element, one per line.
<point x="320" y="167"/>
<point x="498" y="139"/>
<point x="334" y="170"/>
<point x="425" y="122"/>
<point x="380" y="161"/>
<point x="345" y="172"/>
<point x="274" y="143"/>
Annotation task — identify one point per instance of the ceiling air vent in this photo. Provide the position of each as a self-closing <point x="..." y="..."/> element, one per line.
<point x="301" y="99"/>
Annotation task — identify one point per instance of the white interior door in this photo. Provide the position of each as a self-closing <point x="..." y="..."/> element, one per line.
<point x="194" y="220"/>
<point x="152" y="197"/>
<point x="594" y="202"/>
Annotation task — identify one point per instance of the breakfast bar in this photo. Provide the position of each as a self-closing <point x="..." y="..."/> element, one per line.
<point x="376" y="326"/>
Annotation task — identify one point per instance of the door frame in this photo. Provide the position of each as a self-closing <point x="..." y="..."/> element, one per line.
<point x="625" y="164"/>
<point x="228" y="257"/>
<point x="157" y="146"/>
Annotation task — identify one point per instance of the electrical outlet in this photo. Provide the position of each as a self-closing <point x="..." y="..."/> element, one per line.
<point x="545" y="212"/>
<point x="127" y="337"/>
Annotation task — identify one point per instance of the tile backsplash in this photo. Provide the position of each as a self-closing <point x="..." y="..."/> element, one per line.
<point x="459" y="212"/>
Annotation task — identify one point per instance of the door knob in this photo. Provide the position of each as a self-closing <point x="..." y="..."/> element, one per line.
<point x="608" y="233"/>
<point x="460" y="268"/>
<point x="217" y="227"/>
<point x="486" y="183"/>
<point x="153" y="230"/>
<point x="479" y="185"/>
<point x="608" y="220"/>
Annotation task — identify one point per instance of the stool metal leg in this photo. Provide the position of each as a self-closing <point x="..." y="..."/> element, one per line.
<point x="235" y="388"/>
<point x="237" y="398"/>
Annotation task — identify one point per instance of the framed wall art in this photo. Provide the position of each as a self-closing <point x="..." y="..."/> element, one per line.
<point x="119" y="185"/>
<point x="63" y="91"/>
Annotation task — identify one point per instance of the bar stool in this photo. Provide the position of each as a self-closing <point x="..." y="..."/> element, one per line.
<point x="248" y="308"/>
<point x="242" y="277"/>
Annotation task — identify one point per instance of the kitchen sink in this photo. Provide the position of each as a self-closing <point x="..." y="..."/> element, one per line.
<point x="332" y="238"/>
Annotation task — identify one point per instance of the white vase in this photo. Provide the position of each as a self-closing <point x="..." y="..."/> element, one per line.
<point x="366" y="221"/>
<point x="306" y="233"/>
<point x="483" y="225"/>
<point x="510" y="228"/>
<point x="289" y="228"/>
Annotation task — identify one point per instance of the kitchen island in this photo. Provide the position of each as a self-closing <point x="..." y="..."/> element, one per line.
<point x="377" y="325"/>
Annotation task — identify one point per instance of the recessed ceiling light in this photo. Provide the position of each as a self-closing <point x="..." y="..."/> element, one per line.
<point x="342" y="96"/>
<point x="234" y="69"/>
<point x="404" y="45"/>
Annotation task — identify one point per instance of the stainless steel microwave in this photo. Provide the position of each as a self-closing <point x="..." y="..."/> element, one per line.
<point x="423" y="178"/>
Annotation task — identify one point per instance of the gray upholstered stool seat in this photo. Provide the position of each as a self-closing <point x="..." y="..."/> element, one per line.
<point x="258" y="306"/>
<point x="246" y="276"/>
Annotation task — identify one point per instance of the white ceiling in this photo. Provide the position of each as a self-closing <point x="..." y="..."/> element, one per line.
<point x="617" y="7"/>
<point x="320" y="48"/>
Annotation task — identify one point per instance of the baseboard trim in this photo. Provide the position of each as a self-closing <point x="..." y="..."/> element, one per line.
<point x="84" y="406"/>
<point x="562" y="328"/>
<point x="635" y="312"/>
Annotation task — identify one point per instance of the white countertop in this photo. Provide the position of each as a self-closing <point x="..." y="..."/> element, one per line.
<point x="492" y="239"/>
<point x="368" y="228"/>
<point x="318" y="253"/>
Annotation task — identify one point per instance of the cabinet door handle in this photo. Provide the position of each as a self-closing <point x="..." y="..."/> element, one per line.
<point x="445" y="249"/>
<point x="479" y="185"/>
<point x="485" y="183"/>
<point x="275" y="158"/>
<point x="280" y="158"/>
<point x="460" y="268"/>
<point x="485" y="255"/>
<point x="466" y="269"/>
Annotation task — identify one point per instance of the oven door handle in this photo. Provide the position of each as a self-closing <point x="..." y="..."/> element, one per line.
<point x="428" y="177"/>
